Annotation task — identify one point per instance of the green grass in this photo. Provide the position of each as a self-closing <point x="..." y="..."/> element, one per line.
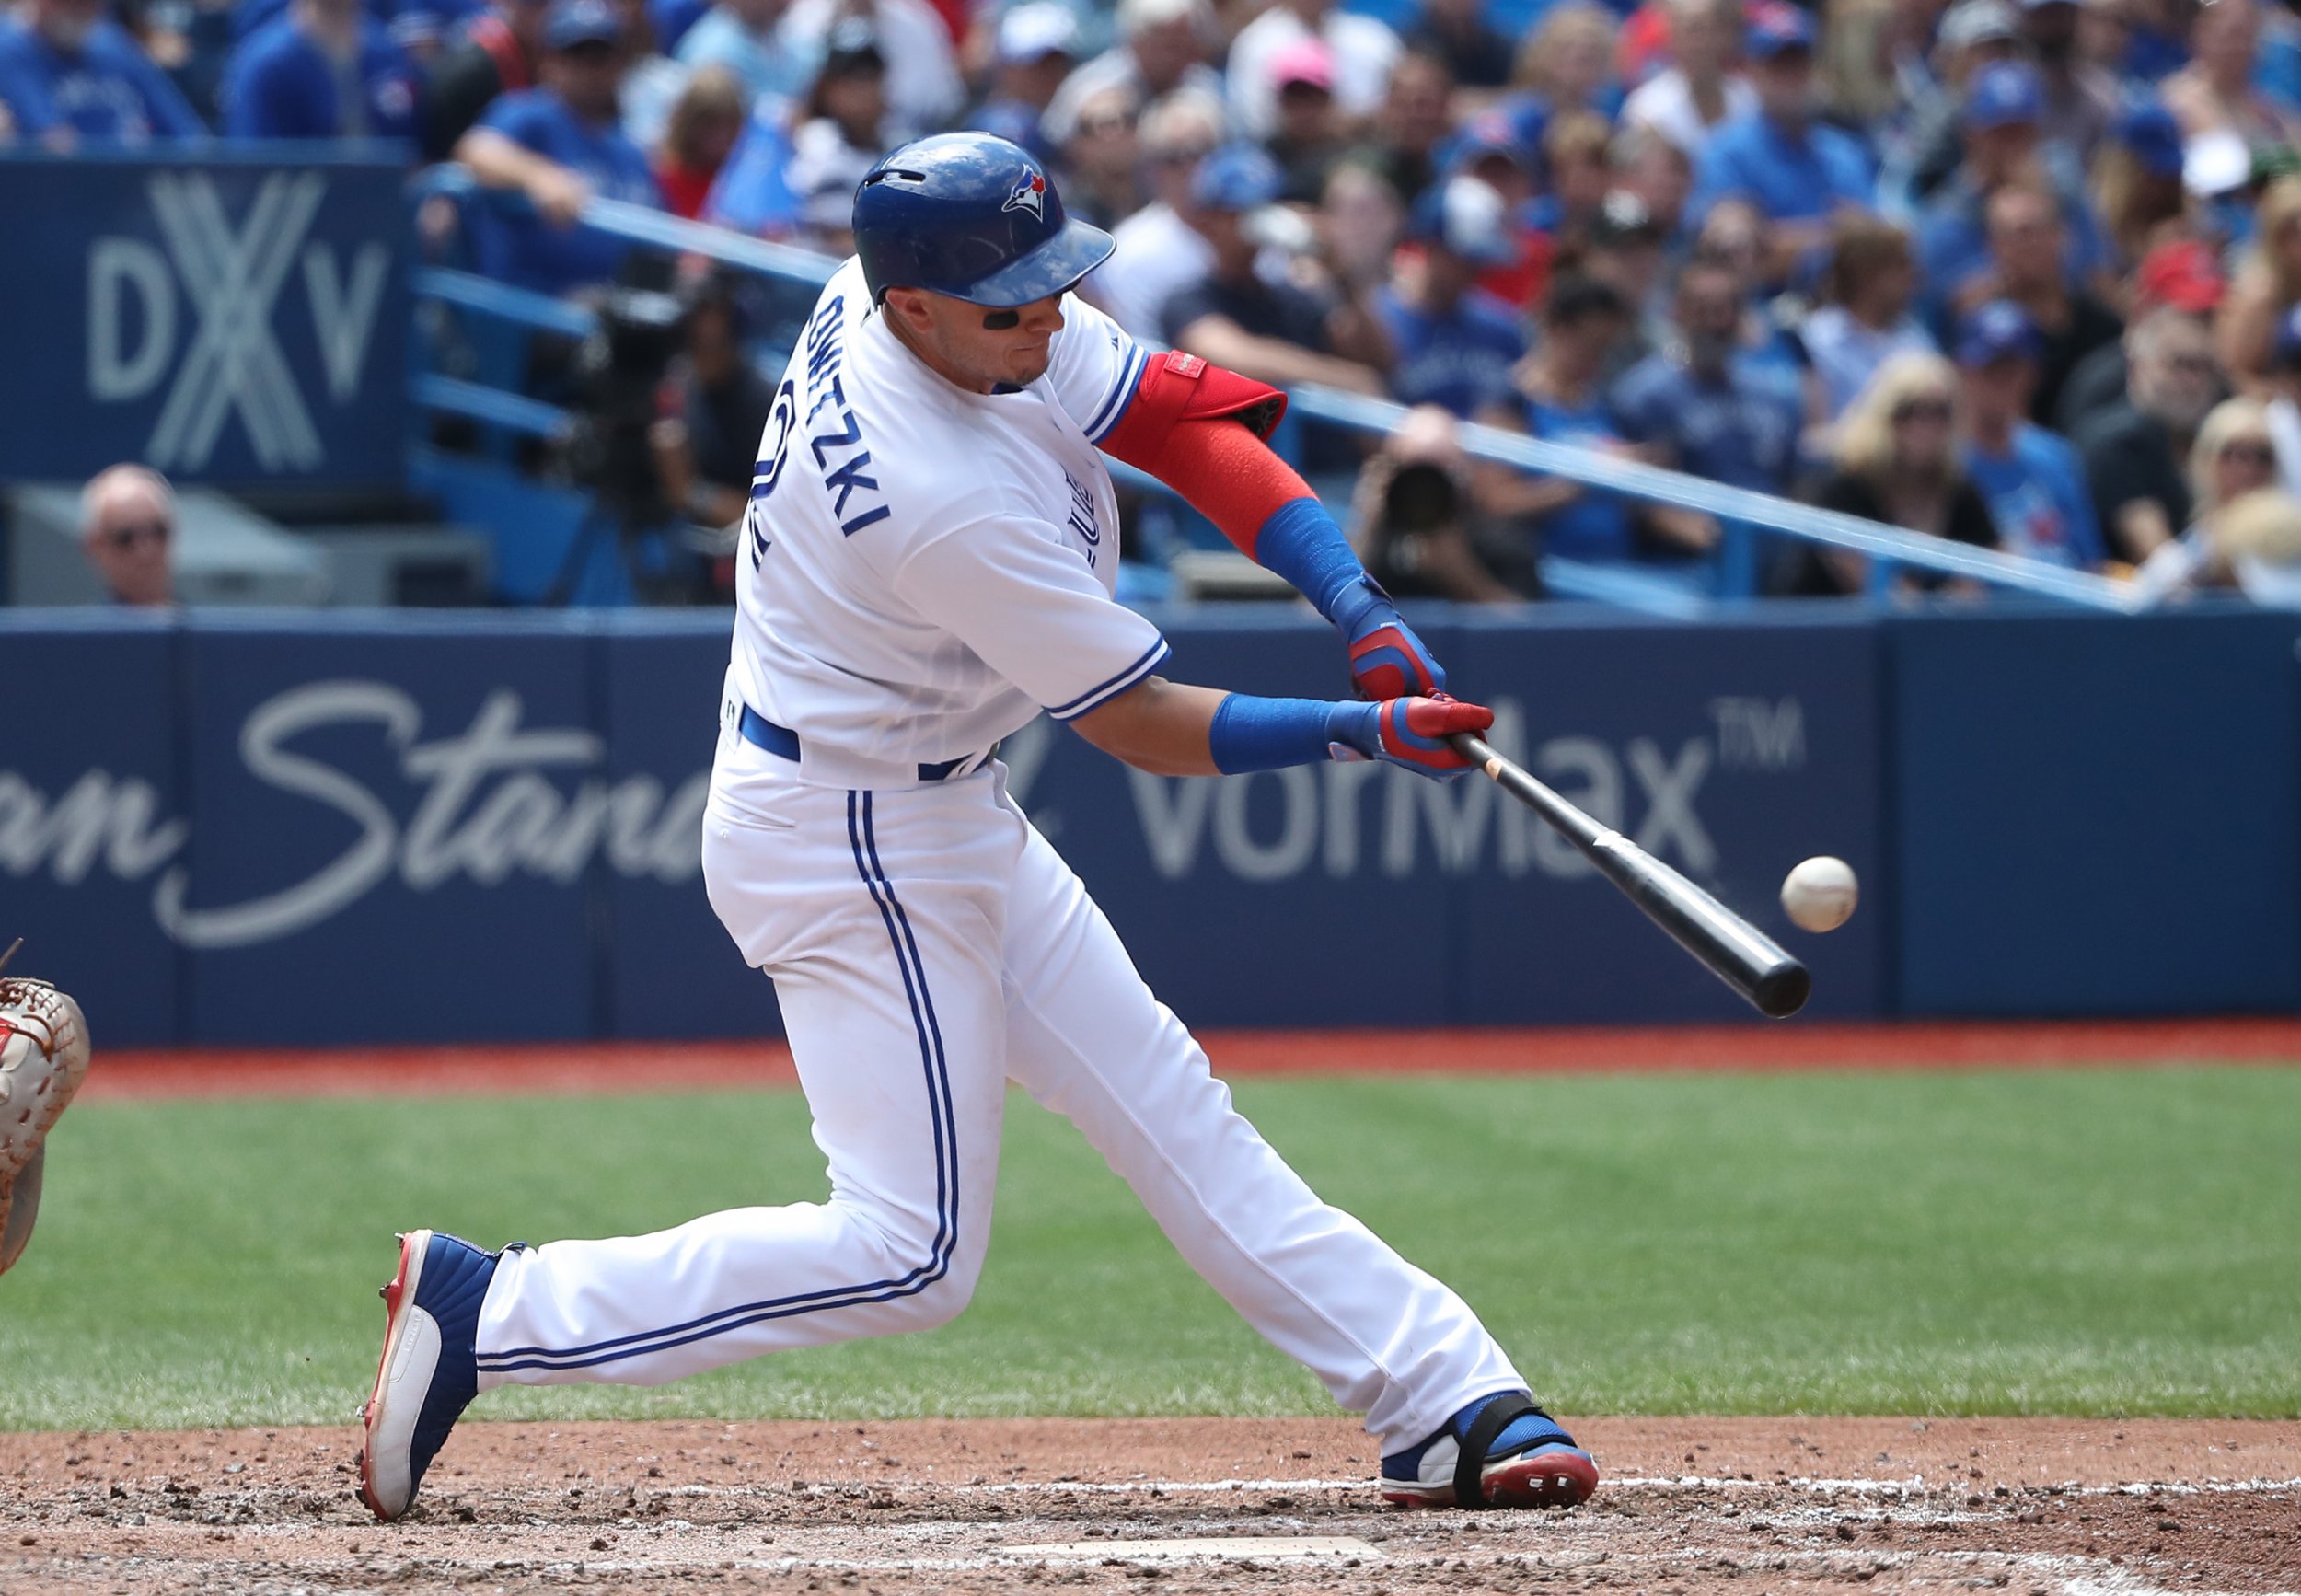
<point x="2072" y="1241"/>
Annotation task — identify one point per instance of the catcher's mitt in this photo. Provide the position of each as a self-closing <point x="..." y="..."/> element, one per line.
<point x="43" y="1057"/>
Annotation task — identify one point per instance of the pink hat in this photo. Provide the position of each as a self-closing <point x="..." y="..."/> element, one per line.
<point x="1307" y="60"/>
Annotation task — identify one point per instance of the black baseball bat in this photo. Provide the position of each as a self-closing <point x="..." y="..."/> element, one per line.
<point x="1736" y="952"/>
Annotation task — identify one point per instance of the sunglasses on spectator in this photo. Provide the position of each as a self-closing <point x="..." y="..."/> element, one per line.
<point x="1188" y="156"/>
<point x="1108" y="123"/>
<point x="1921" y="411"/>
<point x="2248" y="452"/>
<point x="134" y="532"/>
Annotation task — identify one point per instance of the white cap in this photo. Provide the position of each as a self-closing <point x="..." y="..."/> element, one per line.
<point x="1142" y="16"/>
<point x="2215" y="162"/>
<point x="1036" y="30"/>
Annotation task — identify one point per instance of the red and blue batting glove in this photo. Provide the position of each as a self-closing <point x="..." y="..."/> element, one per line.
<point x="1411" y="731"/>
<point x="1387" y="660"/>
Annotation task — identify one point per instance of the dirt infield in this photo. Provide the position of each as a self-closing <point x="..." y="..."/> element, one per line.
<point x="1689" y="1506"/>
<point x="613" y="1067"/>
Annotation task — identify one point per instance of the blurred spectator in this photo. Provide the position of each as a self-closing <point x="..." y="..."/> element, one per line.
<point x="1490" y="150"/>
<point x="1623" y="251"/>
<point x="652" y="82"/>
<point x="2252" y="543"/>
<point x="715" y="406"/>
<point x="1412" y="125"/>
<point x="2214" y="93"/>
<point x="2267" y="285"/>
<point x="501" y="53"/>
<point x="1306" y="139"/>
<point x="1873" y="68"/>
<point x="2134" y="450"/>
<point x="2284" y="407"/>
<point x="1164" y="47"/>
<point x="70" y="79"/>
<point x="2233" y="456"/>
<point x="1359" y="221"/>
<point x="705" y="122"/>
<point x="2137" y="188"/>
<point x="742" y="37"/>
<point x="1705" y="405"/>
<point x="1155" y="251"/>
<point x="558" y="144"/>
<point x="1565" y="63"/>
<point x="1102" y="164"/>
<point x="1037" y="46"/>
<point x="1649" y="165"/>
<point x="2183" y="275"/>
<point x="324" y="70"/>
<point x="1974" y="34"/>
<point x="2026" y="266"/>
<point x="1577" y="150"/>
<point x="127" y="528"/>
<point x="1417" y="526"/>
<point x="1865" y="316"/>
<point x="1274" y="333"/>
<point x="1456" y="33"/>
<point x="1363" y="48"/>
<point x="1797" y="172"/>
<point x="1559" y="397"/>
<point x="1699" y="91"/>
<point x="1895" y="461"/>
<point x="1453" y="345"/>
<point x="2002" y="136"/>
<point x="2081" y="100"/>
<point x="843" y="132"/>
<point x="923" y="86"/>
<point x="2032" y="482"/>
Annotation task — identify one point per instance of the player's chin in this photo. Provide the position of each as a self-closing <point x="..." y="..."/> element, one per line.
<point x="1026" y="366"/>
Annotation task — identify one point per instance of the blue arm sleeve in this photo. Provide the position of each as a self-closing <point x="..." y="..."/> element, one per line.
<point x="1251" y="733"/>
<point x="1302" y="543"/>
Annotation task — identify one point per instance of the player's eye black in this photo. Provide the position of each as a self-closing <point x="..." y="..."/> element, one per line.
<point x="1001" y="320"/>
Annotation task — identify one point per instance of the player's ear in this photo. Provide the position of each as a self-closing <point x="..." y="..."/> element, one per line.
<point x="908" y="306"/>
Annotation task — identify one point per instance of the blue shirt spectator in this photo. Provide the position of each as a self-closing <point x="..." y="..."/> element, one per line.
<point x="2003" y="128"/>
<point x="558" y="144"/>
<point x="2032" y="482"/>
<point x="1453" y="345"/>
<point x="322" y="71"/>
<point x="73" y="78"/>
<point x="1595" y="524"/>
<point x="1778" y="157"/>
<point x="1707" y="406"/>
<point x="741" y="35"/>
<point x="753" y="193"/>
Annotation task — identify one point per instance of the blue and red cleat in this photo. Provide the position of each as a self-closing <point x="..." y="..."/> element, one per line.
<point x="430" y="1369"/>
<point x="1500" y="1452"/>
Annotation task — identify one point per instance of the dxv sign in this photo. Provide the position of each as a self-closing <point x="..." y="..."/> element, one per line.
<point x="234" y="322"/>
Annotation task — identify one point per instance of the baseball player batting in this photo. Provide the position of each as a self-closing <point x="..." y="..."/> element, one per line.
<point x="928" y="564"/>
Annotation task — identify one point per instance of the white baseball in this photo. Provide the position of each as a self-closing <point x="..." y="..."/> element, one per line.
<point x="1819" y="894"/>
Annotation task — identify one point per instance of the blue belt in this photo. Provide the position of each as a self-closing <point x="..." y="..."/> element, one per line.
<point x="783" y="743"/>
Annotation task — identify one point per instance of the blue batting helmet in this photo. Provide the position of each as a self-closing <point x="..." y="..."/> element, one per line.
<point x="973" y="217"/>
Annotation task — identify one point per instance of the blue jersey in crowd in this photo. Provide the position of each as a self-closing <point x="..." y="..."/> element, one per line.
<point x="109" y="93"/>
<point x="752" y="193"/>
<point x="529" y="252"/>
<point x="1740" y="429"/>
<point x="1953" y="240"/>
<point x="1460" y="361"/>
<point x="1596" y="525"/>
<point x="281" y="86"/>
<point x="1787" y="177"/>
<point x="2037" y="495"/>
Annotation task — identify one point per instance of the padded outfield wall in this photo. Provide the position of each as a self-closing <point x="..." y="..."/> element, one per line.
<point x="352" y="828"/>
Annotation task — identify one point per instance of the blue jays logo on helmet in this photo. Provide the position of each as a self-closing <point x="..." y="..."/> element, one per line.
<point x="1029" y="193"/>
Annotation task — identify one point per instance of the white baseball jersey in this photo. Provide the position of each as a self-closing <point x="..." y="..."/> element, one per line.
<point x="926" y="569"/>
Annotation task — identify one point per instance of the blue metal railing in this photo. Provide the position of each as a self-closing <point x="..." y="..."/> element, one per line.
<point x="1742" y="515"/>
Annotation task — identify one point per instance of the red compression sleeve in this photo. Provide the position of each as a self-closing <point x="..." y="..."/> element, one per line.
<point x="1200" y="429"/>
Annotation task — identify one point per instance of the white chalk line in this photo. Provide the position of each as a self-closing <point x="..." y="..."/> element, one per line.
<point x="1914" y="1486"/>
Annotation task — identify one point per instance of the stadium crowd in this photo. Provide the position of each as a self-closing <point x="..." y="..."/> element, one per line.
<point x="2025" y="273"/>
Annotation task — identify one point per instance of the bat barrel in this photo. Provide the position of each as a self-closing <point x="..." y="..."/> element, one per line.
<point x="1744" y="958"/>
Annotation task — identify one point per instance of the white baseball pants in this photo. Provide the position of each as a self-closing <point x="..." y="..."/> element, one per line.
<point x="928" y="946"/>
